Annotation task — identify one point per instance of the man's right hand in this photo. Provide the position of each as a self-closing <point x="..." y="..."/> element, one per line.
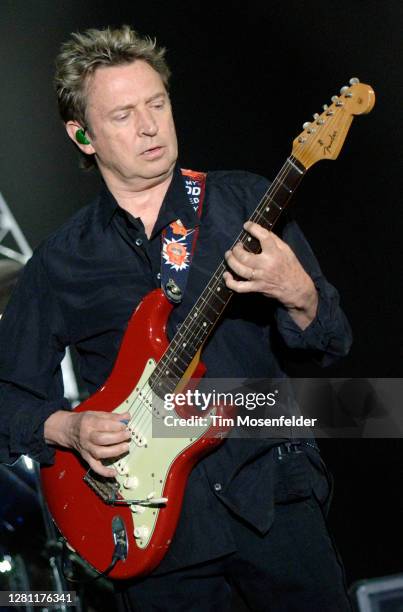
<point x="95" y="435"/>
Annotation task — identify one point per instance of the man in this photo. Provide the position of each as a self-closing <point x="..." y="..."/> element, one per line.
<point x="252" y="514"/>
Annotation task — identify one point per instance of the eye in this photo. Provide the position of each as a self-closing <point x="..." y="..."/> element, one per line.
<point x="121" y="117"/>
<point x="159" y="104"/>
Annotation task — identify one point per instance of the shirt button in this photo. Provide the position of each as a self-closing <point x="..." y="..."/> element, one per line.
<point x="217" y="486"/>
<point x="139" y="241"/>
<point x="159" y="275"/>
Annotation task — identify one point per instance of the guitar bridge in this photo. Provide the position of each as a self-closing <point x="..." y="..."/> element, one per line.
<point x="105" y="488"/>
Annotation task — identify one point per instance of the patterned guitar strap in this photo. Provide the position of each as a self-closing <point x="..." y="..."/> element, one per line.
<point x="178" y="243"/>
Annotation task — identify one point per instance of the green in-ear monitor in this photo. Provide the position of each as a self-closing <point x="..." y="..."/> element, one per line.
<point x="81" y="137"/>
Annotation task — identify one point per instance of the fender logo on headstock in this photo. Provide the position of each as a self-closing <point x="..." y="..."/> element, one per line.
<point x="328" y="148"/>
<point x="330" y="128"/>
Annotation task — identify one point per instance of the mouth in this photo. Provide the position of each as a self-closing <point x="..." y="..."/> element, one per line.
<point x="153" y="152"/>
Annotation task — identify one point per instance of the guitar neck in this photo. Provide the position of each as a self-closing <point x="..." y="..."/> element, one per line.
<point x="198" y="324"/>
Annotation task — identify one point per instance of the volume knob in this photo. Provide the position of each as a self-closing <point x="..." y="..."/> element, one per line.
<point x="131" y="482"/>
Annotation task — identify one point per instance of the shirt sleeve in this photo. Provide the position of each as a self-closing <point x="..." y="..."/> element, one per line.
<point x="329" y="334"/>
<point x="32" y="346"/>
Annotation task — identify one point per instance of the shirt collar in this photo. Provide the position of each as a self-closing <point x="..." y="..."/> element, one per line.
<point x="175" y="205"/>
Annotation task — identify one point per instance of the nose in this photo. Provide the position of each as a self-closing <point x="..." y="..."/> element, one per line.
<point x="147" y="125"/>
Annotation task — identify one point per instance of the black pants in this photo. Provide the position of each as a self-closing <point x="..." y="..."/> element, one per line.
<point x="293" y="568"/>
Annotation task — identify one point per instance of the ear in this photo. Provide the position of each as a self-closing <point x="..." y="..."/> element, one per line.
<point x="71" y="129"/>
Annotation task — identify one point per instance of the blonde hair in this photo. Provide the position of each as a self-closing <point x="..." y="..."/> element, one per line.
<point x="80" y="56"/>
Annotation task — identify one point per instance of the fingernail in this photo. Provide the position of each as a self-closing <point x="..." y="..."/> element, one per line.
<point x="125" y="421"/>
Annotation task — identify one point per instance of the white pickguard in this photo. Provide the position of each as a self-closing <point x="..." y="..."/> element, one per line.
<point x="142" y="473"/>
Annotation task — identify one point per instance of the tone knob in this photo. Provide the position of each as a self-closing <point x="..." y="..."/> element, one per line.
<point x="131" y="482"/>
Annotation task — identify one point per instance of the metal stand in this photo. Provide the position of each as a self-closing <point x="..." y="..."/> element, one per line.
<point x="21" y="252"/>
<point x="9" y="229"/>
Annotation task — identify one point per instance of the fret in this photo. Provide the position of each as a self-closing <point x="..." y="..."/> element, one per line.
<point x="178" y="357"/>
<point x="192" y="337"/>
<point x="276" y="204"/>
<point x="183" y="346"/>
<point x="174" y="359"/>
<point x="219" y="294"/>
<point x="296" y="167"/>
<point x="216" y="295"/>
<point x="161" y="385"/>
<point x="172" y="366"/>
<point x="283" y="185"/>
<point x="207" y="302"/>
<point x="199" y="314"/>
<point x="195" y="335"/>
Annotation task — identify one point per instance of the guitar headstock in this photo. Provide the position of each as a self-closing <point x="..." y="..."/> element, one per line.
<point x="323" y="138"/>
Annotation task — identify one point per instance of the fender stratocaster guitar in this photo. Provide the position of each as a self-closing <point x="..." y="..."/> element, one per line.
<point x="125" y="524"/>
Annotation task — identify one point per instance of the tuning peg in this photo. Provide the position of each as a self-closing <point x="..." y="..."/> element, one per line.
<point x="306" y="125"/>
<point x="344" y="89"/>
<point x="354" y="81"/>
<point x="325" y="107"/>
<point x="334" y="98"/>
<point x="316" y="116"/>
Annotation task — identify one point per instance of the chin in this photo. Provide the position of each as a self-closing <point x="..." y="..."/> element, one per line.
<point x="159" y="169"/>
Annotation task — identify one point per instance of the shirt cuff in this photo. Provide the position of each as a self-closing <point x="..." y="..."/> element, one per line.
<point x="328" y="333"/>
<point x="27" y="432"/>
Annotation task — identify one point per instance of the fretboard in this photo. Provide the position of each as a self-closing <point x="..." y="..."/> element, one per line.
<point x="212" y="302"/>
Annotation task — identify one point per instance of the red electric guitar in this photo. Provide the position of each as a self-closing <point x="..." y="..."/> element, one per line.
<point x="125" y="524"/>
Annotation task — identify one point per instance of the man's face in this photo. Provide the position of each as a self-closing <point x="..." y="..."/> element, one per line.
<point x="131" y="125"/>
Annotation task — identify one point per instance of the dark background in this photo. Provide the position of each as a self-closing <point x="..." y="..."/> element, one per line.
<point x="246" y="75"/>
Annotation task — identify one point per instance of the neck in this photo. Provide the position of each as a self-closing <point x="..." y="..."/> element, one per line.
<point x="144" y="199"/>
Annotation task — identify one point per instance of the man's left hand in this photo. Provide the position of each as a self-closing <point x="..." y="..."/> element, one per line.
<point x="275" y="272"/>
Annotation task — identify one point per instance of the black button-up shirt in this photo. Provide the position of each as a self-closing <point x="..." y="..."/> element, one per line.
<point x="80" y="288"/>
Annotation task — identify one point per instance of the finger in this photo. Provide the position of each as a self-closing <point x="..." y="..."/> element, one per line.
<point x="109" y="438"/>
<point x="240" y="268"/>
<point x="111" y="426"/>
<point x="108" y="421"/>
<point x="243" y="255"/>
<point x="114" y="416"/>
<point x="108" y="452"/>
<point x="100" y="468"/>
<point x="260" y="233"/>
<point x="242" y="286"/>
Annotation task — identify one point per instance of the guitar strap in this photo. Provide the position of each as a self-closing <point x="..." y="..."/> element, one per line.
<point x="178" y="243"/>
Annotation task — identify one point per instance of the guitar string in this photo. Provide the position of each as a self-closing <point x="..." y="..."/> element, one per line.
<point x="257" y="215"/>
<point x="142" y="415"/>
<point x="217" y="276"/>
